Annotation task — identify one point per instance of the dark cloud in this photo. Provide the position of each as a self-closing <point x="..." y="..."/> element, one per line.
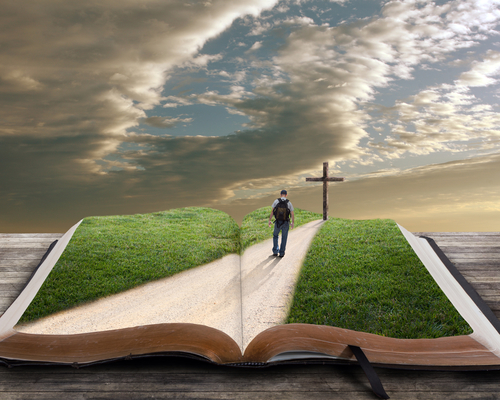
<point x="74" y="78"/>
<point x="164" y="122"/>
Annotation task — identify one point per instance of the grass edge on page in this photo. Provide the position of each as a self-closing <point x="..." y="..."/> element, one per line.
<point x="363" y="275"/>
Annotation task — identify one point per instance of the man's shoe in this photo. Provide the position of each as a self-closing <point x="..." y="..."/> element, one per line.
<point x="275" y="254"/>
<point x="282" y="255"/>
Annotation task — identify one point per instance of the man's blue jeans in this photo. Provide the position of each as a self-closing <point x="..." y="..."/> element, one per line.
<point x="283" y="227"/>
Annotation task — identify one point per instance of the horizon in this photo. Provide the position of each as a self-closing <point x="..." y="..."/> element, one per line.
<point x="133" y="107"/>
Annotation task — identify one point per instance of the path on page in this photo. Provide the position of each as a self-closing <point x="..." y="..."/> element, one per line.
<point x="209" y="295"/>
<point x="268" y="282"/>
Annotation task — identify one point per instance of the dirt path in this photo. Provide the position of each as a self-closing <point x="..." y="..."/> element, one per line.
<point x="268" y="282"/>
<point x="211" y="295"/>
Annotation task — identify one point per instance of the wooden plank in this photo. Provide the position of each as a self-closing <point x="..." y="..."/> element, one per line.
<point x="257" y="395"/>
<point x="494" y="257"/>
<point x="13" y="252"/>
<point x="5" y="303"/>
<point x="471" y="264"/>
<point x="178" y="382"/>
<point x="472" y="242"/>
<point x="22" y="256"/>
<point x="18" y="238"/>
<point x="485" y="240"/>
<point x="7" y="300"/>
<point x="171" y="378"/>
<point x="456" y="234"/>
<point x="483" y="278"/>
<point x="261" y="380"/>
<point x="14" y="264"/>
<point x="482" y="269"/>
<point x="458" y="250"/>
<point x="491" y="295"/>
<point x="13" y="286"/>
<point x="24" y="267"/>
<point x="31" y="235"/>
<point x="220" y="394"/>
<point x="459" y="235"/>
<point x="28" y="239"/>
<point x="487" y="286"/>
<point x="488" y="272"/>
<point x="466" y="248"/>
<point x="455" y="243"/>
<point x="24" y="245"/>
<point x="12" y="275"/>
<point x="494" y="305"/>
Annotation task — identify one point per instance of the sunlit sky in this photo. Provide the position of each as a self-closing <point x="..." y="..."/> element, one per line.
<point x="134" y="106"/>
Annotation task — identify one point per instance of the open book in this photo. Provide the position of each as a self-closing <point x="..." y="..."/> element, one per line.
<point x="130" y="286"/>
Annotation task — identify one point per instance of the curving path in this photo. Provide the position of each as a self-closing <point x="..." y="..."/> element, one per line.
<point x="212" y="295"/>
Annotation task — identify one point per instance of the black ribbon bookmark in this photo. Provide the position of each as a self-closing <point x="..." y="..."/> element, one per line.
<point x="370" y="373"/>
<point x="52" y="245"/>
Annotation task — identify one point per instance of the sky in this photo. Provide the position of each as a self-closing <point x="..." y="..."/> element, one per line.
<point x="134" y="106"/>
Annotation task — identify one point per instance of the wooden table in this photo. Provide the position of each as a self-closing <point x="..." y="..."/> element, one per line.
<point x="475" y="254"/>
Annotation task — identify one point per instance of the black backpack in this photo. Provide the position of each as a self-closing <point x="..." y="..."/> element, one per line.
<point x="281" y="211"/>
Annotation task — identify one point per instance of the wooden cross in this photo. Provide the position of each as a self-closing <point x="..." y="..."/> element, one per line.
<point x="325" y="179"/>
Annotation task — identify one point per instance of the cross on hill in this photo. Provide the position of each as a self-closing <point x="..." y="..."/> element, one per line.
<point x="325" y="179"/>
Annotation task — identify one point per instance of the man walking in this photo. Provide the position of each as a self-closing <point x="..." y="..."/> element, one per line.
<point x="282" y="209"/>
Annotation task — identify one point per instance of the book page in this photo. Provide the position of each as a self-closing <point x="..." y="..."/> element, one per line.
<point x="178" y="266"/>
<point x="183" y="266"/>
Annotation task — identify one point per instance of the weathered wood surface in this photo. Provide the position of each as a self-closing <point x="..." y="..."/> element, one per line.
<point x="20" y="254"/>
<point x="161" y="378"/>
<point x="188" y="379"/>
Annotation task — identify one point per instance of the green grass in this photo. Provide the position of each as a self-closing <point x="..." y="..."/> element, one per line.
<point x="364" y="276"/>
<point x="255" y="229"/>
<point x="108" y="255"/>
<point x="360" y="275"/>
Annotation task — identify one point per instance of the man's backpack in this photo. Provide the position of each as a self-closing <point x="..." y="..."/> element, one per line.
<point x="281" y="211"/>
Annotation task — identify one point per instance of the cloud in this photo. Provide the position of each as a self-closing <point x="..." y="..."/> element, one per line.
<point x="74" y="78"/>
<point x="455" y="196"/>
<point x="165" y="122"/>
<point x="203" y="60"/>
<point x="322" y="76"/>
<point x="174" y="101"/>
<point x="78" y="78"/>
<point x="255" y="46"/>
<point x="482" y="72"/>
<point x="446" y="117"/>
<point x="98" y="65"/>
